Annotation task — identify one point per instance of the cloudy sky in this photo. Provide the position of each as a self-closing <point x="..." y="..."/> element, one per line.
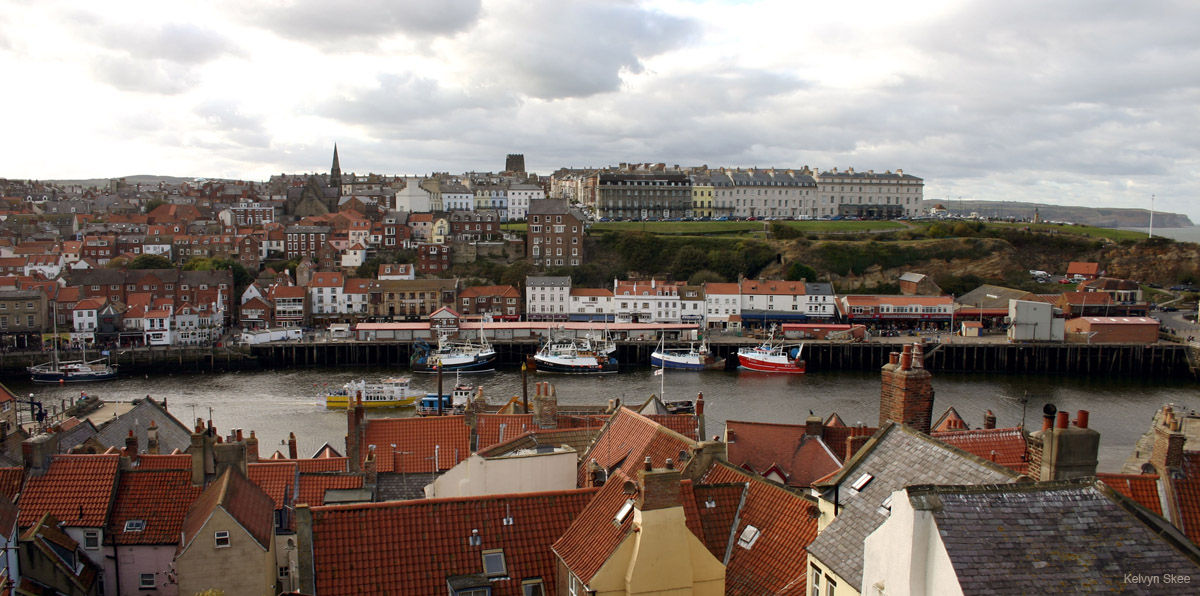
<point x="1088" y="102"/>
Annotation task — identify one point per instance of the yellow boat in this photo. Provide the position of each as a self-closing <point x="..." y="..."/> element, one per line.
<point x="387" y="393"/>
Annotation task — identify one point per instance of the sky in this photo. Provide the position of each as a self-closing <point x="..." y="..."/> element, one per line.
<point x="1074" y="102"/>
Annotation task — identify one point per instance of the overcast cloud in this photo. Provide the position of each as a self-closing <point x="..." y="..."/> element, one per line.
<point x="1074" y="102"/>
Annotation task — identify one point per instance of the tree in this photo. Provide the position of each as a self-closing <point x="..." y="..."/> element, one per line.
<point x="153" y="204"/>
<point x="705" y="276"/>
<point x="117" y="263"/>
<point x="150" y="261"/>
<point x="798" y="271"/>
<point x="514" y="275"/>
<point x="688" y="260"/>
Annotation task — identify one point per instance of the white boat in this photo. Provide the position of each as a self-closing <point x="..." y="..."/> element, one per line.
<point x="392" y="392"/>
<point x="454" y="355"/>
<point x="692" y="358"/>
<point x="576" y="355"/>
<point x="71" y="371"/>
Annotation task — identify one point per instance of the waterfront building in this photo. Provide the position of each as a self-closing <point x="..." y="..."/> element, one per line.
<point x="767" y="302"/>
<point x="546" y="298"/>
<point x="651" y="301"/>
<point x="24" y="315"/>
<point x="556" y="234"/>
<point x="722" y="305"/>
<point x="896" y="311"/>
<point x="496" y="303"/>
<point x="326" y="295"/>
<point x="410" y="300"/>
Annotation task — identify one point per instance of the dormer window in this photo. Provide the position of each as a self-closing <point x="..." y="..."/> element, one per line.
<point x="221" y="539"/>
<point x="135" y="525"/>
<point x="493" y="563"/>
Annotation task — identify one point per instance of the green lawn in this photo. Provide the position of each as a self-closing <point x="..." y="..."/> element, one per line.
<point x="679" y="227"/>
<point x="819" y="227"/>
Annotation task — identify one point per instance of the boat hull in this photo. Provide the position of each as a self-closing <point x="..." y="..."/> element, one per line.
<point x="771" y="365"/>
<point x="573" y="366"/>
<point x="342" y="401"/>
<point x="481" y="363"/>
<point x="684" y="361"/>
<point x="60" y="377"/>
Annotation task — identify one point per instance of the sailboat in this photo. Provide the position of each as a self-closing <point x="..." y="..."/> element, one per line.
<point x="72" y="371"/>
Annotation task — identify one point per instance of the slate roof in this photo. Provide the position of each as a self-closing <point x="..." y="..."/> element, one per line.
<point x="1005" y="446"/>
<point x="777" y="562"/>
<point x="896" y="456"/>
<point x="628" y="438"/>
<point x="576" y="438"/>
<point x="172" y="434"/>
<point x="160" y="498"/>
<point x="416" y="441"/>
<point x="1050" y="538"/>
<point x="241" y="499"/>
<point x="760" y="445"/>
<point x="412" y="547"/>
<point x="77" y="489"/>
<point x="1142" y="488"/>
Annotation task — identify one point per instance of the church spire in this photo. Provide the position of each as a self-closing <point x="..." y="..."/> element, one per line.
<point x="335" y="173"/>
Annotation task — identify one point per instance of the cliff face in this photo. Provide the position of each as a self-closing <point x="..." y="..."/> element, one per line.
<point x="1164" y="264"/>
<point x="1092" y="216"/>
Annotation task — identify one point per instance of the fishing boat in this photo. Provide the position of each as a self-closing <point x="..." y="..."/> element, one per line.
<point x="575" y="355"/>
<point x="772" y="358"/>
<point x="387" y="393"/>
<point x="453" y="403"/>
<point x="693" y="358"/>
<point x="454" y="355"/>
<point x="72" y="371"/>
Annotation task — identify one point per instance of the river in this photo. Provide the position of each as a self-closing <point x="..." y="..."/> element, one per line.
<point x="274" y="403"/>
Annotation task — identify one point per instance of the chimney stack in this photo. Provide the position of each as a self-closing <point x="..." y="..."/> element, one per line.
<point x="989" y="420"/>
<point x="370" y="468"/>
<point x="252" y="448"/>
<point x="152" y="439"/>
<point x="1167" y="452"/>
<point x="657" y="489"/>
<point x="292" y="451"/>
<point x="812" y="425"/>
<point x="906" y="390"/>
<point x="1060" y="451"/>
<point x="131" y="445"/>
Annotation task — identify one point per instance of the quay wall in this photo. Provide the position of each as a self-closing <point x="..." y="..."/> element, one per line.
<point x="1167" y="360"/>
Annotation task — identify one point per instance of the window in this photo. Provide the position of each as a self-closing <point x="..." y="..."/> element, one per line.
<point x="493" y="563"/>
<point x="474" y="592"/>
<point x="830" y="586"/>
<point x="222" y="539"/>
<point x="91" y="539"/>
<point x="146" y="580"/>
<point x="533" y="587"/>
<point x="135" y="525"/>
<point x="816" y="581"/>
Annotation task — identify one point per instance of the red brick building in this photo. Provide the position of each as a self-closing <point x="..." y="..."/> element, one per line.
<point x="555" y="236"/>
<point x="503" y="303"/>
<point x="433" y="258"/>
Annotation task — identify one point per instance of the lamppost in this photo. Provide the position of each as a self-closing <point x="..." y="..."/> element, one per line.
<point x="1151" y="217"/>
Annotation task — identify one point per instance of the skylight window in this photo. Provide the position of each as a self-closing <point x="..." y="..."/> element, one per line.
<point x="135" y="525"/>
<point x="862" y="482"/>
<point x="493" y="563"/>
<point x="623" y="513"/>
<point x="748" y="537"/>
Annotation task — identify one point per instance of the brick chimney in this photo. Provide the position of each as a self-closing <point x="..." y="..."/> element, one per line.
<point x="1061" y="451"/>
<point x="37" y="451"/>
<point x="700" y="415"/>
<point x="545" y="406"/>
<point x="293" y="453"/>
<point x="657" y="489"/>
<point x="1167" y="452"/>
<point x="354" y="430"/>
<point x="906" y="389"/>
<point x="252" y="448"/>
<point x="370" y="467"/>
<point x="131" y="446"/>
<point x="813" y="425"/>
<point x="989" y="420"/>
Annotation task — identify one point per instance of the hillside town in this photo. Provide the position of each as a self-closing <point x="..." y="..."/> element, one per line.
<point x="537" y="497"/>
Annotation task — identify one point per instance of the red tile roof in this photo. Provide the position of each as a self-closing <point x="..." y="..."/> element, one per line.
<point x="684" y="424"/>
<point x="1187" y="494"/>
<point x="488" y="429"/>
<point x="715" y="506"/>
<point x="777" y="563"/>
<point x="241" y="499"/>
<point x="1005" y="446"/>
<point x="593" y="537"/>
<point x="313" y="486"/>
<point x="759" y="445"/>
<point x="278" y="480"/>
<point x="171" y="461"/>
<point x="8" y="515"/>
<point x="412" y="547"/>
<point x="416" y="441"/>
<point x="160" y="498"/>
<point x="77" y="489"/>
<point x="1142" y="488"/>
<point x="10" y="482"/>
<point x="628" y="439"/>
<point x="315" y="464"/>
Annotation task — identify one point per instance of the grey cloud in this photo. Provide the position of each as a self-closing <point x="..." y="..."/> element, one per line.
<point x="226" y="121"/>
<point x="182" y="43"/>
<point x="550" y="49"/>
<point x="145" y="76"/>
<point x="402" y="100"/>
<point x="362" y="22"/>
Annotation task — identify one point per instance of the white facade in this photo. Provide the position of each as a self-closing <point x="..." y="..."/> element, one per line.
<point x="458" y="200"/>
<point x="412" y="197"/>
<point x="922" y="567"/>
<point x="646" y="302"/>
<point x="721" y="301"/>
<point x="547" y="298"/>
<point x="592" y="305"/>
<point x="868" y="188"/>
<point x="519" y="196"/>
<point x="1034" y="321"/>
<point x="515" y="473"/>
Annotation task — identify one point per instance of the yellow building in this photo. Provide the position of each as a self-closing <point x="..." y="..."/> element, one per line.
<point x="702" y="197"/>
<point x="227" y="540"/>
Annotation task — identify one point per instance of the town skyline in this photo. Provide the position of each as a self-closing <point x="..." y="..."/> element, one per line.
<point x="1066" y="104"/>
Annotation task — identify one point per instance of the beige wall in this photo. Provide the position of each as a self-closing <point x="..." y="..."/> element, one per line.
<point x="906" y="555"/>
<point x="478" y="475"/>
<point x="844" y="588"/>
<point x="244" y="568"/>
<point x="663" y="557"/>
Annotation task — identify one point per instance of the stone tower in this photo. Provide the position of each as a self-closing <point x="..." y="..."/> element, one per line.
<point x="515" y="163"/>
<point x="335" y="173"/>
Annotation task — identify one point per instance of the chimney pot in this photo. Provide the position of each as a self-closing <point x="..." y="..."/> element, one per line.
<point x="648" y="466"/>
<point x="1063" y="419"/>
<point x="670" y="465"/>
<point x="1081" y="419"/>
<point x="989" y="420"/>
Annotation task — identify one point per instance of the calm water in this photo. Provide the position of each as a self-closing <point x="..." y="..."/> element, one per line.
<point x="1191" y="234"/>
<point x="275" y="403"/>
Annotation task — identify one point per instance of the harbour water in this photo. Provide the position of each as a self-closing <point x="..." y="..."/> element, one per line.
<point x="274" y="403"/>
